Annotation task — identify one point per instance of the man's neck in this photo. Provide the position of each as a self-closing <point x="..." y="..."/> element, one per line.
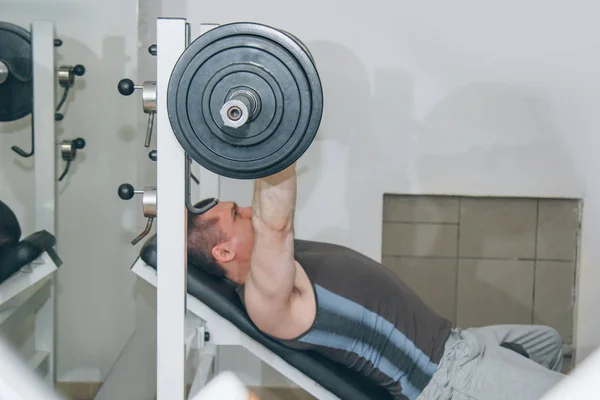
<point x="238" y="277"/>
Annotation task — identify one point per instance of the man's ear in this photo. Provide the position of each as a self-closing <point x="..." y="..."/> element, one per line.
<point x="223" y="252"/>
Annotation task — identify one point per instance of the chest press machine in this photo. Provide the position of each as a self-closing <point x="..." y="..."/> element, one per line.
<point x="242" y="100"/>
<point x="28" y="80"/>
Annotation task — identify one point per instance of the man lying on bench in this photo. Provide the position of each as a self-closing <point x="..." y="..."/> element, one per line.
<point x="347" y="307"/>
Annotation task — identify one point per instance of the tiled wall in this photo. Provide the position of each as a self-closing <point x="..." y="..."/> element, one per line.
<point x="481" y="261"/>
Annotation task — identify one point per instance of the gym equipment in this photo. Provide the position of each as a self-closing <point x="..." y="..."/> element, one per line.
<point x="16" y="72"/>
<point x="28" y="294"/>
<point x="126" y="87"/>
<point x="245" y="100"/>
<point x="153" y="155"/>
<point x="217" y="302"/>
<point x="27" y="266"/>
<point x="68" y="152"/>
<point x="17" y="78"/>
<point x="17" y="253"/>
<point x="126" y="192"/>
<point x="66" y="80"/>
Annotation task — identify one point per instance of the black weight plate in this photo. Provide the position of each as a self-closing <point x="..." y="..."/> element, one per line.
<point x="301" y="44"/>
<point x="16" y="93"/>
<point x="235" y="77"/>
<point x="275" y="65"/>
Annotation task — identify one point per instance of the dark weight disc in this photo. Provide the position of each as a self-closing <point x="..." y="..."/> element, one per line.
<point x="270" y="63"/>
<point x="237" y="77"/>
<point x="301" y="44"/>
<point x="16" y="89"/>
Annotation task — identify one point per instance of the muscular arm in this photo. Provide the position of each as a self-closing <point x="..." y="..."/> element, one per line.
<point x="270" y="283"/>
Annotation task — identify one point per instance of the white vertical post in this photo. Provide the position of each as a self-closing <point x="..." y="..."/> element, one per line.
<point x="42" y="33"/>
<point x="171" y="223"/>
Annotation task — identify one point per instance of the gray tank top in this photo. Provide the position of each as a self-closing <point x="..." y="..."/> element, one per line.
<point x="369" y="320"/>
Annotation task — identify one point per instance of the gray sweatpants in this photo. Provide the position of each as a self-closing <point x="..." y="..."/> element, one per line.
<point x="475" y="367"/>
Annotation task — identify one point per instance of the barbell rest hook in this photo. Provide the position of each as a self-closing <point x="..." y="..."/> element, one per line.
<point x="144" y="232"/>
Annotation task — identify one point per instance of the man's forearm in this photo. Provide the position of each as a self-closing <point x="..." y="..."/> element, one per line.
<point x="273" y="271"/>
<point x="274" y="202"/>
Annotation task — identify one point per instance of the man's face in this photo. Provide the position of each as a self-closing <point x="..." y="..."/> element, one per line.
<point x="236" y="223"/>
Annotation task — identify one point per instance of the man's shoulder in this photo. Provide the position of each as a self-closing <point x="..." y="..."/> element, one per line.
<point x="299" y="315"/>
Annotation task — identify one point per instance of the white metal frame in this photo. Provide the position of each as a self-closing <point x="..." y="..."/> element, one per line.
<point x="200" y="319"/>
<point x="179" y="332"/>
<point x="31" y="291"/>
<point x="26" y="293"/>
<point x="172" y="39"/>
<point x="45" y="169"/>
<point x="174" y="332"/>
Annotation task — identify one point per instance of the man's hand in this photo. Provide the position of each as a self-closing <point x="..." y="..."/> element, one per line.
<point x="271" y="280"/>
<point x="274" y="202"/>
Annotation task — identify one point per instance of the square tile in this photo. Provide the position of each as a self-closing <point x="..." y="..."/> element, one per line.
<point x="494" y="292"/>
<point x="407" y="239"/>
<point x="432" y="279"/>
<point x="558" y="226"/>
<point x="440" y="209"/>
<point x="498" y="228"/>
<point x="553" y="301"/>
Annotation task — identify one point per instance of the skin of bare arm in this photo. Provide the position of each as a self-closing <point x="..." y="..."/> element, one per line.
<point x="269" y="291"/>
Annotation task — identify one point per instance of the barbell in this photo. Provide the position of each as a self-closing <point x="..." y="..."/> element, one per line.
<point x="245" y="100"/>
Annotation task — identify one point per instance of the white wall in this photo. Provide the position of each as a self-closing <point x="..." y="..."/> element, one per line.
<point x="437" y="97"/>
<point x="420" y="97"/>
<point x="95" y="306"/>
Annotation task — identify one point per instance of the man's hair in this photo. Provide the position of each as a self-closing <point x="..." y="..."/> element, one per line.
<point x="203" y="234"/>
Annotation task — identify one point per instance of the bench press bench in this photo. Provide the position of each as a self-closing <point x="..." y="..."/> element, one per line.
<point x="329" y="380"/>
<point x="16" y="252"/>
<point x="27" y="266"/>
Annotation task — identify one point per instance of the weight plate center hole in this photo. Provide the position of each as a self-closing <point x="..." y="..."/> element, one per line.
<point x="234" y="113"/>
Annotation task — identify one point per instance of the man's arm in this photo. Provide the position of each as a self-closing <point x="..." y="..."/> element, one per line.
<point x="270" y="283"/>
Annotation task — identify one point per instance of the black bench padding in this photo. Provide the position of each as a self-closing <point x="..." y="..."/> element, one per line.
<point x="9" y="224"/>
<point x="16" y="253"/>
<point x="223" y="299"/>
